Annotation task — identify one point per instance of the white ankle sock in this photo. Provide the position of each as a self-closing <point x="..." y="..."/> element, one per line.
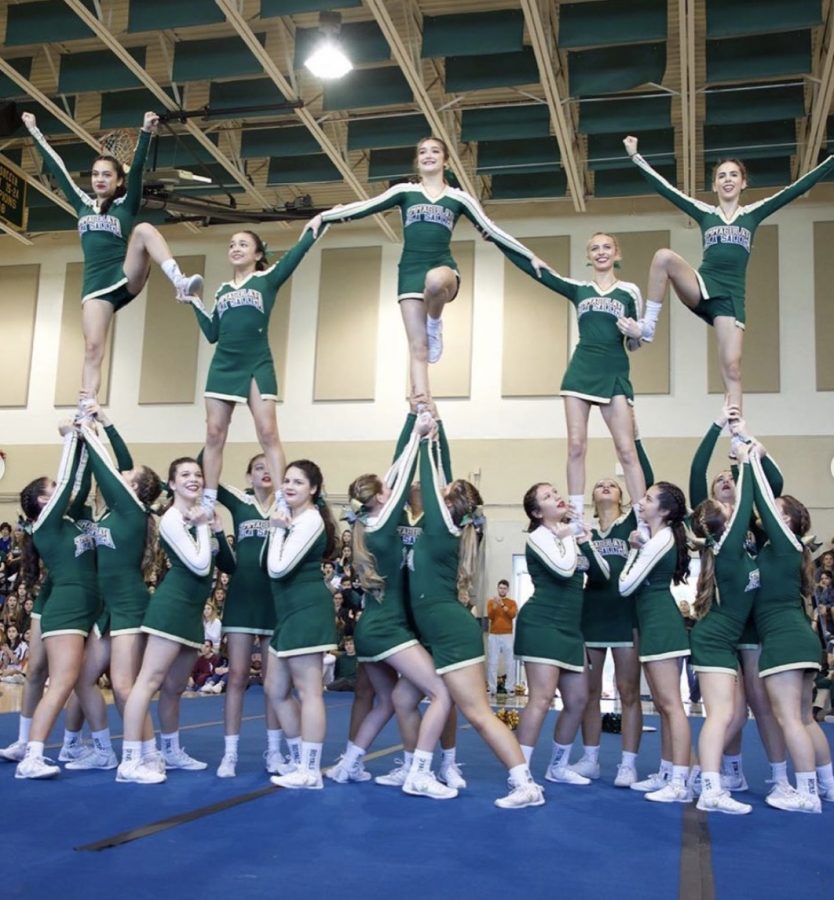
<point x="24" y="726"/>
<point x="170" y="742"/>
<point x="171" y="270"/>
<point x="273" y="739"/>
<point x="230" y="744"/>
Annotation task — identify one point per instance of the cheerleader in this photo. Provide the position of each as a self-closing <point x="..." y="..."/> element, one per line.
<point x="727" y="584"/>
<point x="242" y="370"/>
<point x="385" y="642"/>
<point x="117" y="255"/>
<point x="751" y="689"/>
<point x="73" y="604"/>
<point x="305" y="629"/>
<point x="715" y="291"/>
<point x="444" y="569"/>
<point x="248" y="613"/>
<point x="548" y="636"/>
<point x="609" y="621"/>
<point x="174" y="626"/>
<point x="790" y="649"/>
<point x="598" y="373"/>
<point x="651" y="567"/>
<point x="428" y="276"/>
<point x="125" y="539"/>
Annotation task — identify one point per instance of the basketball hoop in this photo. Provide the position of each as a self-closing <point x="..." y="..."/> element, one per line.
<point x="120" y="144"/>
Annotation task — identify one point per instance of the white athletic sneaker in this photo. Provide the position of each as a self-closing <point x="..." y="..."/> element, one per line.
<point x="826" y="793"/>
<point x="565" y="775"/>
<point x="435" y="340"/>
<point x="228" y="766"/>
<point x="396" y="777"/>
<point x="36" y="767"/>
<point x="530" y="794"/>
<point x="452" y="776"/>
<point x="694" y="782"/>
<point x="671" y="792"/>
<point x="586" y="767"/>
<point x="783" y="796"/>
<point x="626" y="776"/>
<point x="653" y="782"/>
<point x="424" y="784"/>
<point x="187" y="287"/>
<point x="341" y="774"/>
<point x="732" y="782"/>
<point x="181" y="760"/>
<point x="723" y="802"/>
<point x="300" y="779"/>
<point x="139" y="772"/>
<point x="69" y="752"/>
<point x="154" y="760"/>
<point x="277" y="764"/>
<point x="14" y="752"/>
<point x="94" y="759"/>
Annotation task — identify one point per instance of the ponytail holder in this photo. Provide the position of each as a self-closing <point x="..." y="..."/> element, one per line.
<point x="321" y="502"/>
<point x="810" y="541"/>
<point x="355" y="512"/>
<point x="709" y="541"/>
<point x="27" y="527"/>
<point x="617" y="264"/>
<point x="476" y="519"/>
<point x="266" y="249"/>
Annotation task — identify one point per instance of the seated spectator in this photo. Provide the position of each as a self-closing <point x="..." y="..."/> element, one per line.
<point x="824" y="591"/>
<point x="6" y="539"/>
<point x="203" y="667"/>
<point x="344" y="674"/>
<point x="345" y="615"/>
<point x="256" y="672"/>
<point x="216" y="682"/>
<point x="14" y="656"/>
<point x="26" y="618"/>
<point x="12" y="613"/>
<point x="825" y="564"/>
<point x="212" y="625"/>
<point x="328" y="571"/>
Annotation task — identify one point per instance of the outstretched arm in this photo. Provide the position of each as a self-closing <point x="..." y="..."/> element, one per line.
<point x="698" y="488"/>
<point x="567" y="287"/>
<point x="282" y="270"/>
<point x="685" y="204"/>
<point x="769" y="205"/>
<point x="133" y="193"/>
<point x="473" y="211"/>
<point x="361" y="208"/>
<point x="778" y="533"/>
<point x="54" y="510"/>
<point x="56" y="168"/>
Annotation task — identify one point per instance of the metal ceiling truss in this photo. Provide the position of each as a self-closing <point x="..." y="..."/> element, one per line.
<point x="823" y="93"/>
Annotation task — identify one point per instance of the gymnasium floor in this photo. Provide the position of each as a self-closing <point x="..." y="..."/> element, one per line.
<point x="83" y="835"/>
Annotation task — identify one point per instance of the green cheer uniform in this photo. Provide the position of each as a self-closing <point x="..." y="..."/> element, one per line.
<point x="608" y="619"/>
<point x="68" y="553"/>
<point x="648" y="575"/>
<point x="427" y="229"/>
<point x="445" y="626"/>
<point x="788" y="638"/>
<point x="239" y="325"/>
<point x="549" y="627"/>
<point x="175" y="610"/>
<point x="248" y="608"/>
<point x="120" y="536"/>
<point x="599" y="368"/>
<point x="42" y="597"/>
<point x="716" y="637"/>
<point x="305" y="621"/>
<point x="383" y="628"/>
<point x="103" y="237"/>
<point x="699" y="491"/>
<point x="727" y="242"/>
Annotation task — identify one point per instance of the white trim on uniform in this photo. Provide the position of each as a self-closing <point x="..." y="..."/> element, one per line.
<point x="641" y="562"/>
<point x="235" y="398"/>
<point x="549" y="661"/>
<point x="604" y="645"/>
<point x="120" y="631"/>
<point x="461" y="665"/>
<point x="672" y="654"/>
<point x="303" y="651"/>
<point x="96" y="295"/>
<point x="387" y="654"/>
<point x="767" y="493"/>
<point x="255" y="632"/>
<point x="194" y="553"/>
<point x="288" y="546"/>
<point x="62" y="478"/>
<point x="788" y="667"/>
<point x="717" y="669"/>
<point x="94" y="445"/>
<point x="558" y="555"/>
<point x="172" y="637"/>
<point x="57" y="631"/>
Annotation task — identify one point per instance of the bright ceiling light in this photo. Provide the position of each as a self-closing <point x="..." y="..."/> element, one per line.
<point x="328" y="59"/>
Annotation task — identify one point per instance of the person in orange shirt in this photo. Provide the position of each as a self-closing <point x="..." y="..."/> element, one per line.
<point x="501" y="611"/>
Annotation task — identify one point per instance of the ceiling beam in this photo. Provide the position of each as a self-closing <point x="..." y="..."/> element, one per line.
<point x="48" y="105"/>
<point x="30" y="179"/>
<point x="401" y="54"/>
<point x="689" y="133"/>
<point x="107" y="38"/>
<point x="823" y="93"/>
<point x="16" y="235"/>
<point x="246" y="34"/>
<point x="546" y="52"/>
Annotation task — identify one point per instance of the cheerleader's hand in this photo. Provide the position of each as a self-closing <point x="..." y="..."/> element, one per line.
<point x="216" y="523"/>
<point x="630" y="143"/>
<point x="564" y="530"/>
<point x="636" y="540"/>
<point x="586" y="534"/>
<point x="29" y="120"/>
<point x="314" y="225"/>
<point x="278" y="520"/>
<point x="65" y="426"/>
<point x="758" y="448"/>
<point x="539" y="264"/>
<point x="630" y="328"/>
<point x="198" y="515"/>
<point x="425" y="423"/>
<point x="151" y="122"/>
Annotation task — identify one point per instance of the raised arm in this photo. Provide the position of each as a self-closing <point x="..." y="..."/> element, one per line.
<point x="688" y="205"/>
<point x="54" y="165"/>
<point x="598" y="569"/>
<point x="405" y="435"/>
<point x="276" y="275"/>
<point x="362" y="208"/>
<point x="769" y="205"/>
<point x="114" y="488"/>
<point x="402" y="472"/>
<point x="558" y="555"/>
<point x="437" y="518"/>
<point x="698" y="487"/>
<point x="735" y="533"/>
<point x="778" y="533"/>
<point x="68" y="468"/>
<point x="641" y="562"/>
<point x="133" y="186"/>
<point x="193" y="551"/>
<point x="442" y="453"/>
<point x="288" y="546"/>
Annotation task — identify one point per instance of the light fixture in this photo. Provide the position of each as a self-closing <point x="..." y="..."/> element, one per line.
<point x="328" y="60"/>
